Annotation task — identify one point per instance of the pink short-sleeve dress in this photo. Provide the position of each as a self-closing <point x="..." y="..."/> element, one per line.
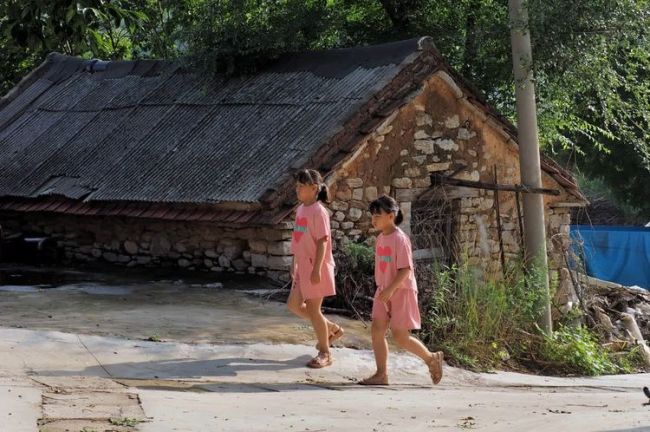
<point x="393" y="252"/>
<point x="312" y="224"/>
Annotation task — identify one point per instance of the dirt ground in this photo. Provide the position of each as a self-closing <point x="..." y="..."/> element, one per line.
<point x="137" y="305"/>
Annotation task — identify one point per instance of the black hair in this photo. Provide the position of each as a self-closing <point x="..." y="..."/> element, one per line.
<point x="311" y="177"/>
<point x="388" y="205"/>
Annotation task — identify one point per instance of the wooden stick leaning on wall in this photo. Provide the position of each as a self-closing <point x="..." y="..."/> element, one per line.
<point x="499" y="228"/>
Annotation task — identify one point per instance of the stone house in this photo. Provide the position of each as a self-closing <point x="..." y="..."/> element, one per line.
<point x="146" y="163"/>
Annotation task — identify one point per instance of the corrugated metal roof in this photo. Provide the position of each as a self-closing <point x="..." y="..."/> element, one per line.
<point x="150" y="135"/>
<point x="152" y="132"/>
<point x="23" y="100"/>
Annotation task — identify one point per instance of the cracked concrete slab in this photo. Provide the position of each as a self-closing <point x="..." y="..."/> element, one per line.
<point x="88" y="404"/>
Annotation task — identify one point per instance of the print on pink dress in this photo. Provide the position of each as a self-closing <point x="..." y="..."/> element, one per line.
<point x="300" y="228"/>
<point x="384" y="257"/>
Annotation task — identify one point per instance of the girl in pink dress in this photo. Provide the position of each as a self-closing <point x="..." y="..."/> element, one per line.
<point x="313" y="263"/>
<point x="395" y="303"/>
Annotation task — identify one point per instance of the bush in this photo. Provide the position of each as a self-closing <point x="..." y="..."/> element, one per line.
<point x="485" y="324"/>
<point x="575" y="350"/>
<point x="630" y="362"/>
<point x="355" y="283"/>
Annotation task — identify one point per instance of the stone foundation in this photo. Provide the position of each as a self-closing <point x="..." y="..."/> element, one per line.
<point x="134" y="242"/>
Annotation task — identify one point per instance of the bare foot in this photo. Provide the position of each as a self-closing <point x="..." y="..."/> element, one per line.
<point x="376" y="379"/>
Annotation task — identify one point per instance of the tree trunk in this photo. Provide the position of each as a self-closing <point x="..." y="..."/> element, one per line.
<point x="401" y="13"/>
<point x="469" y="56"/>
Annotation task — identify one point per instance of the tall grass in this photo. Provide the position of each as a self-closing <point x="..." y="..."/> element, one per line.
<point x="486" y="324"/>
<point x="478" y="321"/>
<point x="482" y="323"/>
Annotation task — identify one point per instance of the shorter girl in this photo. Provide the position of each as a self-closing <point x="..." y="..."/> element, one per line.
<point x="313" y="266"/>
<point x="396" y="300"/>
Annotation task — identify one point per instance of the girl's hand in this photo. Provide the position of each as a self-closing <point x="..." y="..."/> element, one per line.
<point x="385" y="295"/>
<point x="315" y="276"/>
<point x="388" y="292"/>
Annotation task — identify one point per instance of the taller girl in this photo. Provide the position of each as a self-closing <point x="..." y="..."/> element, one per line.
<point x="313" y="263"/>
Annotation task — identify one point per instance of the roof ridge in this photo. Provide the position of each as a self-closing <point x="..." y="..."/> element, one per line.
<point x="100" y="65"/>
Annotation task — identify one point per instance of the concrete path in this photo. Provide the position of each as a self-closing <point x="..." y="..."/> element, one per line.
<point x="171" y="386"/>
<point x="73" y="358"/>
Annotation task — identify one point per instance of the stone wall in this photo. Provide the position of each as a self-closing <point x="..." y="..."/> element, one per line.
<point x="441" y="131"/>
<point x="138" y="242"/>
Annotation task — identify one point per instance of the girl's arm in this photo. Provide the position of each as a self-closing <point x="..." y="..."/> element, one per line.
<point x="401" y="276"/>
<point x="318" y="263"/>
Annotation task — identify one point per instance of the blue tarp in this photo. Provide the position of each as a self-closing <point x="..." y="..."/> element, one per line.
<point x="615" y="253"/>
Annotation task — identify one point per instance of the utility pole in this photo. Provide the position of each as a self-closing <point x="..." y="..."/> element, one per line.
<point x="529" y="165"/>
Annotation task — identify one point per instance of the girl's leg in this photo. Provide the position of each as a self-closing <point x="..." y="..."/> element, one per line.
<point x="433" y="361"/>
<point x="319" y="323"/>
<point x="297" y="306"/>
<point x="413" y="345"/>
<point x="380" y="348"/>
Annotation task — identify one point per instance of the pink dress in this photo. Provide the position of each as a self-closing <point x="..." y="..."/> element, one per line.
<point x="393" y="252"/>
<point x="312" y="224"/>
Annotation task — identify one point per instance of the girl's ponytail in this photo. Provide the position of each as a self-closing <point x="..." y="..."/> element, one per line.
<point x="323" y="193"/>
<point x="399" y="218"/>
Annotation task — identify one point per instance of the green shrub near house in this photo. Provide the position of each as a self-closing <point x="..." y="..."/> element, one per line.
<point x="489" y="324"/>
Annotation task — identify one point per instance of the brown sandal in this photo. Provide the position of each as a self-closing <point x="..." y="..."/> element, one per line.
<point x="374" y="380"/>
<point x="435" y="367"/>
<point x="338" y="334"/>
<point x="320" y="361"/>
